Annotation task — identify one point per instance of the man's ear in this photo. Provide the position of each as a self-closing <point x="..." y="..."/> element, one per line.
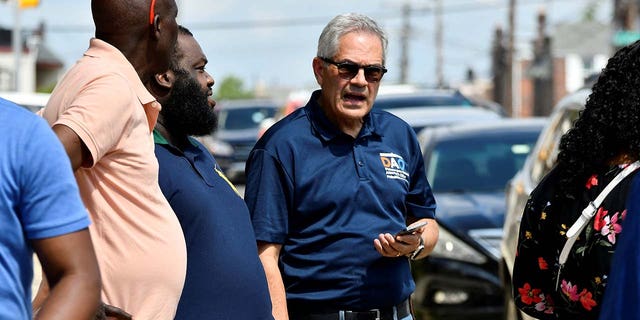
<point x="318" y="66"/>
<point x="156" y="26"/>
<point x="165" y="80"/>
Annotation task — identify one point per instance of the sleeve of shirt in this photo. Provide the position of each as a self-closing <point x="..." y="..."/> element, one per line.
<point x="420" y="200"/>
<point x="100" y="114"/>
<point x="267" y="195"/>
<point x="50" y="205"/>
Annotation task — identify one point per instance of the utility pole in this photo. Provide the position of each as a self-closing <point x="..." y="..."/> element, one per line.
<point x="404" y="42"/>
<point x="439" y="47"/>
<point x="16" y="43"/>
<point x="498" y="66"/>
<point x="542" y="70"/>
<point x="508" y="101"/>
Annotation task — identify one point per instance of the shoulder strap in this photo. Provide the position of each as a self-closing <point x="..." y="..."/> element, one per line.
<point x="590" y="211"/>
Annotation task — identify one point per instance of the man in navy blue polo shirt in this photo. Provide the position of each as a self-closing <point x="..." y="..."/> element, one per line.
<point x="225" y="279"/>
<point x="330" y="185"/>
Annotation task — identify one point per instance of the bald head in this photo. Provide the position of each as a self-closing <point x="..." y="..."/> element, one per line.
<point x="146" y="42"/>
<point x="114" y="17"/>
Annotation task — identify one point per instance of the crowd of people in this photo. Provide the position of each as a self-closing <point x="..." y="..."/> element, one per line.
<point x="150" y="228"/>
<point x="131" y="217"/>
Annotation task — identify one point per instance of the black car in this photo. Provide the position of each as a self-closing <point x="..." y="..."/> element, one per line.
<point x="238" y="130"/>
<point x="468" y="166"/>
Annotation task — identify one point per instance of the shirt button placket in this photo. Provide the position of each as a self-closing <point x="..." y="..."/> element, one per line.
<point x="359" y="159"/>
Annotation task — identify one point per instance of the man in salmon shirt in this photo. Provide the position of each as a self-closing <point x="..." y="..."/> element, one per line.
<point x="103" y="112"/>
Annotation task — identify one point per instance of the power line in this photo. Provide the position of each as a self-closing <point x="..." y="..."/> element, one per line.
<point x="312" y="21"/>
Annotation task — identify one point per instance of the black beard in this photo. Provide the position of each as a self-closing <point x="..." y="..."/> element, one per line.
<point x="186" y="110"/>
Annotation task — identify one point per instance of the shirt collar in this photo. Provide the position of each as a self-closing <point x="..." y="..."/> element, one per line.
<point x="160" y="139"/>
<point x="326" y="129"/>
<point x="102" y="49"/>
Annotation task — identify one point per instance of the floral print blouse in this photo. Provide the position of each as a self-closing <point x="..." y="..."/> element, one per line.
<point x="544" y="289"/>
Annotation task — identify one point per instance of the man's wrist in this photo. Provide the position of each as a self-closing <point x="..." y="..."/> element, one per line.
<point x="414" y="255"/>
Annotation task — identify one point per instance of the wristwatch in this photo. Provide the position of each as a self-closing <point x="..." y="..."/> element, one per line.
<point x="419" y="249"/>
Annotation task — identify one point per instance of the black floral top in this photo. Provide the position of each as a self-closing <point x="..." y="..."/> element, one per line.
<point x="540" y="288"/>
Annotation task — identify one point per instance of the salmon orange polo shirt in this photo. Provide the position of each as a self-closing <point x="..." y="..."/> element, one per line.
<point x="137" y="237"/>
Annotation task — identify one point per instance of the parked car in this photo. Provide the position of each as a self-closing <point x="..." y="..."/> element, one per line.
<point x="536" y="166"/>
<point x="429" y="108"/>
<point x="468" y="166"/>
<point x="33" y="101"/>
<point x="423" y="98"/>
<point x="238" y="129"/>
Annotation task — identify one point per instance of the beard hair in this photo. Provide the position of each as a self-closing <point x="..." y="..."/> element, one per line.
<point x="186" y="111"/>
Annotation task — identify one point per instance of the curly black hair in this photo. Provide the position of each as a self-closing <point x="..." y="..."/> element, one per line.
<point x="608" y="126"/>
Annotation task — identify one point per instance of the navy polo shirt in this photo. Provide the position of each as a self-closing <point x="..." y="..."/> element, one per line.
<point x="225" y="278"/>
<point x="326" y="196"/>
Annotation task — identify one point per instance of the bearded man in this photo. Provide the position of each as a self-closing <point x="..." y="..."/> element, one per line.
<point x="225" y="279"/>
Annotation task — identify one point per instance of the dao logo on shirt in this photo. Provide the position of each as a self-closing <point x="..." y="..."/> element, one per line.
<point x="394" y="166"/>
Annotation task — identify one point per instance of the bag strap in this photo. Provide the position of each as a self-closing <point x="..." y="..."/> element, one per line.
<point x="590" y="211"/>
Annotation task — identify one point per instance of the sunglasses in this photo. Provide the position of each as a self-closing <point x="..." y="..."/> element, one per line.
<point x="347" y="70"/>
<point x="152" y="12"/>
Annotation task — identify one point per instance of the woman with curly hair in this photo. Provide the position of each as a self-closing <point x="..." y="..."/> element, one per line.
<point x="604" y="141"/>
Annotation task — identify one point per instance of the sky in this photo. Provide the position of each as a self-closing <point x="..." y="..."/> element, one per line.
<point x="272" y="43"/>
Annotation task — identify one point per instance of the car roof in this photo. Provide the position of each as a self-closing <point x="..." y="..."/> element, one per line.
<point x="438" y="116"/>
<point x="422" y="98"/>
<point x="492" y="127"/>
<point x="419" y="92"/>
<point x="246" y="103"/>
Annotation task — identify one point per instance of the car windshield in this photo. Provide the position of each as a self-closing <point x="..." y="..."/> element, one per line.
<point x="421" y="101"/>
<point x="478" y="164"/>
<point x="244" y="118"/>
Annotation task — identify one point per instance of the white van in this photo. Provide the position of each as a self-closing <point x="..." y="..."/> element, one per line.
<point x="33" y="101"/>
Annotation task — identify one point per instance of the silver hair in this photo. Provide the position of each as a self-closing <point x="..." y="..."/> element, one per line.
<point x="345" y="23"/>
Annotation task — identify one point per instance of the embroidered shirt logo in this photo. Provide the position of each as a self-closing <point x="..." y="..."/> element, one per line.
<point x="395" y="167"/>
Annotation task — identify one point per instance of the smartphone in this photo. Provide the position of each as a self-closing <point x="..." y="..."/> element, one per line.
<point x="411" y="229"/>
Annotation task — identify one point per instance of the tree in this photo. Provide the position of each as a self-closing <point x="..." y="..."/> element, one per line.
<point x="589" y="13"/>
<point x="232" y="87"/>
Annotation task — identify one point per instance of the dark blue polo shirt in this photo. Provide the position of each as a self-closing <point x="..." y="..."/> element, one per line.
<point x="225" y="278"/>
<point x="326" y="196"/>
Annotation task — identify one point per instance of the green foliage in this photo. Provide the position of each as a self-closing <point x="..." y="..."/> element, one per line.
<point x="231" y="87"/>
<point x="589" y="13"/>
<point x="46" y="88"/>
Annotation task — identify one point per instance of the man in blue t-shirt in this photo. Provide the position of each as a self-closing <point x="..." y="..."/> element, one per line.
<point x="225" y="279"/>
<point x="330" y="186"/>
<point x="41" y="212"/>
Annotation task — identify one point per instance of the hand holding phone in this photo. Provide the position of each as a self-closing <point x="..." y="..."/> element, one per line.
<point x="411" y="229"/>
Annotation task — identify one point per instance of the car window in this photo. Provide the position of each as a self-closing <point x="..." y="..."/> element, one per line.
<point x="244" y="118"/>
<point x="550" y="145"/>
<point x="478" y="164"/>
